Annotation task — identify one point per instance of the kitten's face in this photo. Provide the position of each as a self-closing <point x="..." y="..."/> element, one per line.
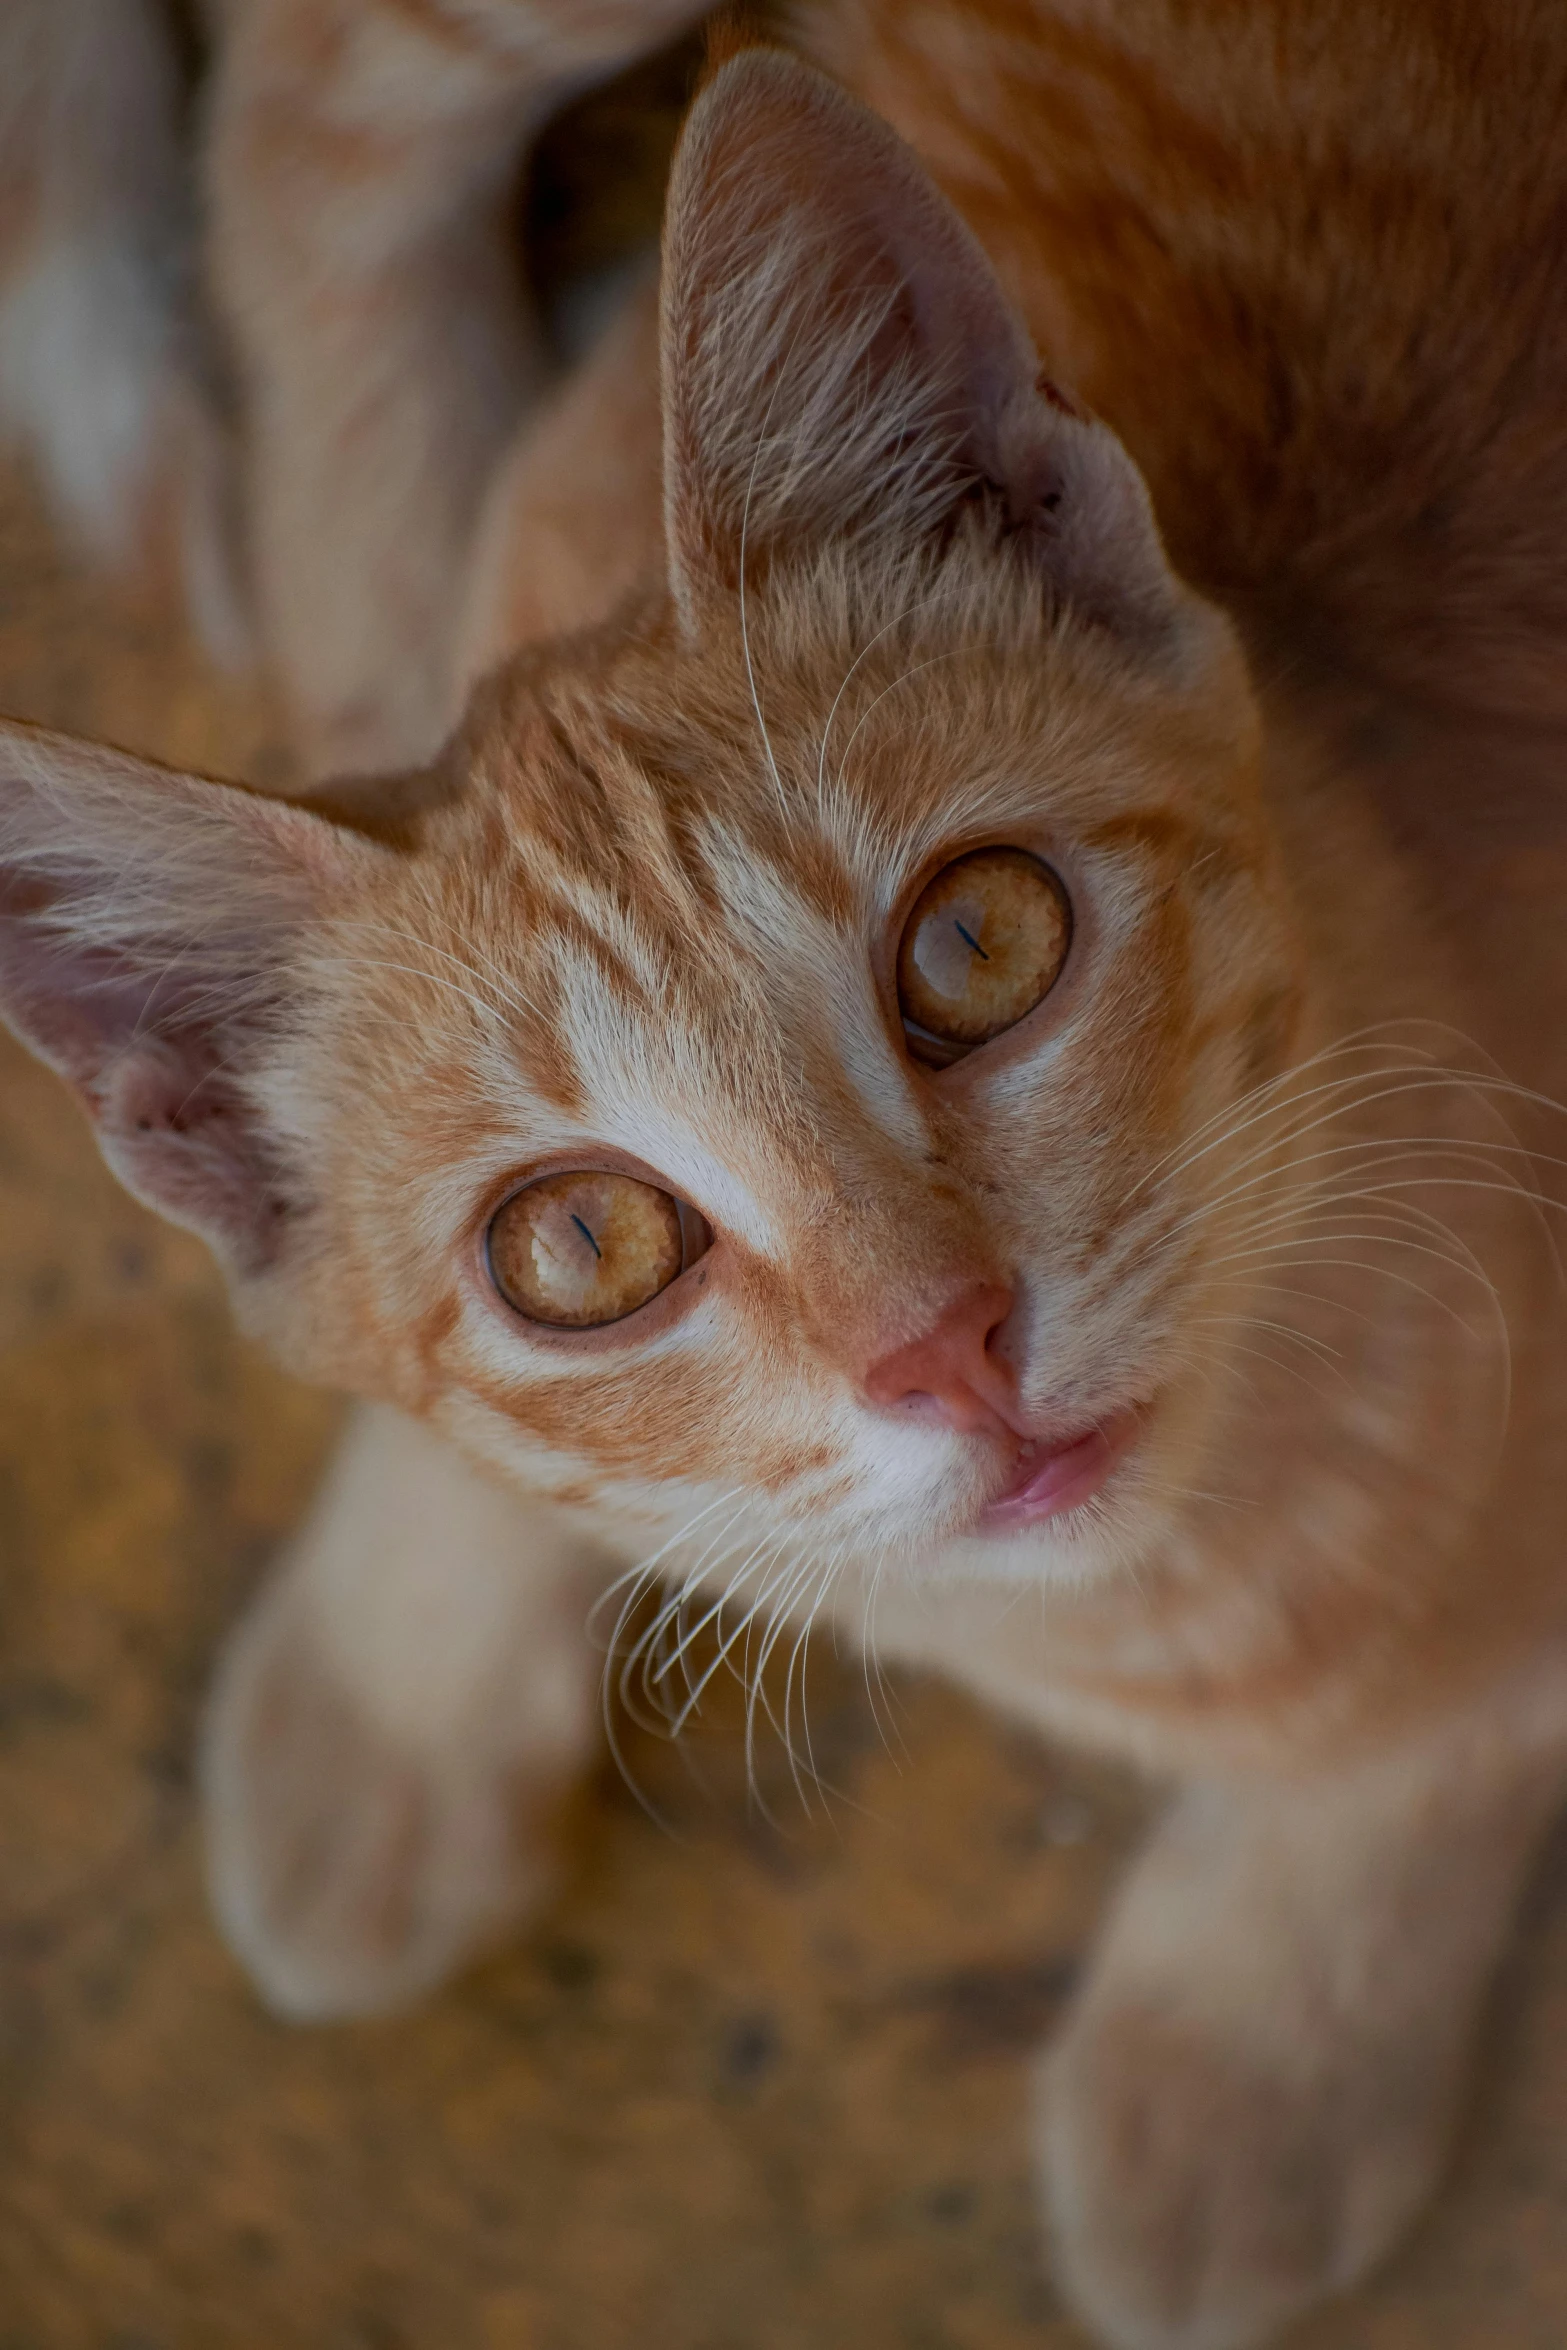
<point x="644" y="943"/>
<point x="635" y="1176"/>
<point x="611" y="1114"/>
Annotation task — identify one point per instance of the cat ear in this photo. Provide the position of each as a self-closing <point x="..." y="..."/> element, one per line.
<point x="839" y="360"/>
<point x="145" y="922"/>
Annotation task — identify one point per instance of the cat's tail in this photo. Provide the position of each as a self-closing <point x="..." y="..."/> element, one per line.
<point x="105" y="383"/>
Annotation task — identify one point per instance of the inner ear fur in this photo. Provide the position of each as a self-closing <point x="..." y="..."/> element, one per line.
<point x="147" y="920"/>
<point x="839" y="360"/>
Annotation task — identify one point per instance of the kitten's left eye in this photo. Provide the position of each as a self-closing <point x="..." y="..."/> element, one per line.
<point x="579" y="1250"/>
<point x="984" y="944"/>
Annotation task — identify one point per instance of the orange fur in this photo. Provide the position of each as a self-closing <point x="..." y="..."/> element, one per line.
<point x="1252" y="1168"/>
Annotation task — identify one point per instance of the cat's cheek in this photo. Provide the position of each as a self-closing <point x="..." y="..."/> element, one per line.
<point x="608" y="1420"/>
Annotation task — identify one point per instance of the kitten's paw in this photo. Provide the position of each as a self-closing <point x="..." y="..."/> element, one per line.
<point x="352" y="1872"/>
<point x="1200" y="2197"/>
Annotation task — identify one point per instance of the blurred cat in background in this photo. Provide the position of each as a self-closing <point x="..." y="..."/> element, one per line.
<point x="933" y="1052"/>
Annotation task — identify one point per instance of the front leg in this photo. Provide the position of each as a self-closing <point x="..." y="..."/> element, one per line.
<point x="393" y="1725"/>
<point x="1260" y="2085"/>
<point x="360" y="158"/>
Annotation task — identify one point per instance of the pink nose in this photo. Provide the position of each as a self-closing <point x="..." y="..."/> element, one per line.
<point x="953" y="1368"/>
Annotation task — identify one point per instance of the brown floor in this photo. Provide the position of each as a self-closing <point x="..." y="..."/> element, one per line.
<point x="747" y="2088"/>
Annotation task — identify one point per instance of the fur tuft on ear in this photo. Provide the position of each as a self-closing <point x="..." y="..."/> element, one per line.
<point x="145" y="926"/>
<point x="840" y="361"/>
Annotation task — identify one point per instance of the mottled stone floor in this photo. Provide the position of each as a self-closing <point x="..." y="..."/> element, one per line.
<point x="749" y="2087"/>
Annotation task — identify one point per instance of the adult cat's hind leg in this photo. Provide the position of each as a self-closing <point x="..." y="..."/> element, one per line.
<point x="1260" y="2085"/>
<point x="361" y="156"/>
<point x="393" y="1725"/>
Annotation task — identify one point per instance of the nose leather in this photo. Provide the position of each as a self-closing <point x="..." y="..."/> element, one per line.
<point x="953" y="1368"/>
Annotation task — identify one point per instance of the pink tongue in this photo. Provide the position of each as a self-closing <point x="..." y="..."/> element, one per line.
<point x="1060" y="1479"/>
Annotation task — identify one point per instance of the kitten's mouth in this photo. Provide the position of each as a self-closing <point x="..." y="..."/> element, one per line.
<point x="1053" y="1478"/>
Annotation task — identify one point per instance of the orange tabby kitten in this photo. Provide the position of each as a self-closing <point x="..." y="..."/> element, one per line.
<point x="907" y="1068"/>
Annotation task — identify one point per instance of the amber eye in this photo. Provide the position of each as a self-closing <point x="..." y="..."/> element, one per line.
<point x="985" y="942"/>
<point x="581" y="1249"/>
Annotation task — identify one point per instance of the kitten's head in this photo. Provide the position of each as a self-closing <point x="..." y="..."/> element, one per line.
<point x="751" y="1072"/>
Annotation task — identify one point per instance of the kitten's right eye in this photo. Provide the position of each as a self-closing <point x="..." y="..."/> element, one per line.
<point x="579" y="1250"/>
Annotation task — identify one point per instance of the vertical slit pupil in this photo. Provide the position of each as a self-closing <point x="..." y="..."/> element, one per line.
<point x="955" y="990"/>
